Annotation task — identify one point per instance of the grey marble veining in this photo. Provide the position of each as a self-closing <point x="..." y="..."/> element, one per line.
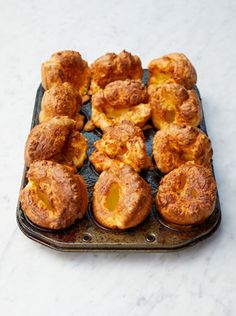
<point x="38" y="281"/>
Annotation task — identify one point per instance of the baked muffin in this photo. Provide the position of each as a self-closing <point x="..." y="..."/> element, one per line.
<point x="121" y="100"/>
<point x="57" y="140"/>
<point x="112" y="67"/>
<point x="54" y="197"/>
<point x="187" y="195"/>
<point x="177" y="144"/>
<point x="173" y="67"/>
<point x="121" y="198"/>
<point x="67" y="66"/>
<point x="61" y="100"/>
<point x="121" y="144"/>
<point x="172" y="103"/>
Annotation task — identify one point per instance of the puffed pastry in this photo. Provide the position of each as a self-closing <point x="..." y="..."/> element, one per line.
<point x="121" y="100"/>
<point x="67" y="66"/>
<point x="57" y="140"/>
<point x="121" y="198"/>
<point x="54" y="197"/>
<point x="121" y="144"/>
<point x="187" y="195"/>
<point x="61" y="100"/>
<point x="177" y="144"/>
<point x="112" y="67"/>
<point x="172" y="103"/>
<point x="173" y="67"/>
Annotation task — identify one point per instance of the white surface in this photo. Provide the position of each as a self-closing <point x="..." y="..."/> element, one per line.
<point x="38" y="281"/>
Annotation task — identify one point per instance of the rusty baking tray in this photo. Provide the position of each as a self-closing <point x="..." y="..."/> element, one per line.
<point x="87" y="235"/>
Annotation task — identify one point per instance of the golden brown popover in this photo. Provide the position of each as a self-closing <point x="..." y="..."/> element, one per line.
<point x="173" y="67"/>
<point x="121" y="100"/>
<point x="121" y="198"/>
<point x="112" y="67"/>
<point x="61" y="100"/>
<point x="187" y="195"/>
<point x="121" y="144"/>
<point x="67" y="66"/>
<point x="172" y="103"/>
<point x="177" y="144"/>
<point x="54" y="197"/>
<point x="58" y="140"/>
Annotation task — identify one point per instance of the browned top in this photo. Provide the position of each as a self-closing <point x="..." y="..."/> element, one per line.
<point x="121" y="94"/>
<point x="66" y="66"/>
<point x="54" y="140"/>
<point x="186" y="196"/>
<point x="60" y="100"/>
<point x="111" y="67"/>
<point x="121" y="100"/>
<point x="121" y="144"/>
<point x="54" y="197"/>
<point x="134" y="202"/>
<point x="172" y="103"/>
<point x="177" y="144"/>
<point x="172" y="67"/>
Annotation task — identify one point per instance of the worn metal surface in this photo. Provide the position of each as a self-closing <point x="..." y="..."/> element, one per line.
<point x="86" y="235"/>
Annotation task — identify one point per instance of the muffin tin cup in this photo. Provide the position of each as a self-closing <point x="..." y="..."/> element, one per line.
<point x="152" y="235"/>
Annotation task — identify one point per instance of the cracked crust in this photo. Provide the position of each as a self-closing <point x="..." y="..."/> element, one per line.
<point x="172" y="103"/>
<point x="121" y="100"/>
<point x="121" y="144"/>
<point x="173" y="67"/>
<point x="57" y="140"/>
<point x="177" y="144"/>
<point x="134" y="198"/>
<point x="112" y="67"/>
<point x="187" y="195"/>
<point x="54" y="197"/>
<point x="67" y="66"/>
<point x="61" y="100"/>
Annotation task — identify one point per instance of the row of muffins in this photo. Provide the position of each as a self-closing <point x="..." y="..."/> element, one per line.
<point x="121" y="95"/>
<point x="121" y="106"/>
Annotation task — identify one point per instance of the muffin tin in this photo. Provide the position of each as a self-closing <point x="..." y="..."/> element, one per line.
<point x="153" y="235"/>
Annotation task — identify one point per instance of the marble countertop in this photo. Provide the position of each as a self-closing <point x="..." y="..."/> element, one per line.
<point x="35" y="280"/>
